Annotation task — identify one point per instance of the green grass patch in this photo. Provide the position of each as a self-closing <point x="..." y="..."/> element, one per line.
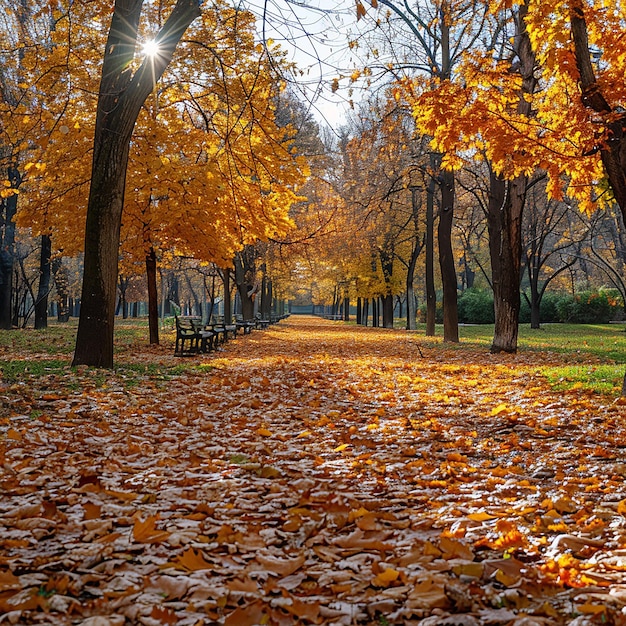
<point x="602" y="379"/>
<point x="606" y="342"/>
<point x="18" y="369"/>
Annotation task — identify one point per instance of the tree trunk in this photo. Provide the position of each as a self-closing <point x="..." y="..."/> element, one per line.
<point x="411" y="308"/>
<point x="7" y="252"/>
<point x="505" y="208"/>
<point x="61" y="282"/>
<point x="359" y="311"/>
<point x="153" y="298"/>
<point x="613" y="149"/>
<point x="245" y="278"/>
<point x="41" y="303"/>
<point x="228" y="309"/>
<point x="431" y="295"/>
<point x="121" y="97"/>
<point x="446" y="259"/>
<point x="505" y="248"/>
<point x="123" y="282"/>
<point x="387" y="307"/>
<point x="535" y="300"/>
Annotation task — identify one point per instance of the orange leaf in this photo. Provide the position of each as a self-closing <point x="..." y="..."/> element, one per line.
<point x="480" y="517"/>
<point x="8" y="580"/>
<point x="14" y="435"/>
<point x="452" y="548"/>
<point x="191" y="560"/>
<point x="145" y="531"/>
<point x="164" y="615"/>
<point x="92" y="511"/>
<point x="386" y="577"/>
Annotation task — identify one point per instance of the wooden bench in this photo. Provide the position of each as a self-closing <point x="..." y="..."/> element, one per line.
<point x="261" y="322"/>
<point x="218" y="326"/>
<point x="192" y="338"/>
<point x="245" y="325"/>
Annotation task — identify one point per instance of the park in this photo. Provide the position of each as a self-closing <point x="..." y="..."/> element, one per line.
<point x="312" y="314"/>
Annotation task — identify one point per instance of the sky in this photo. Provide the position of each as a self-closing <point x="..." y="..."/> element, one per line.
<point x="316" y="39"/>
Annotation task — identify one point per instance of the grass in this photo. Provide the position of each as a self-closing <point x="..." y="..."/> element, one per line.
<point x="602" y="379"/>
<point x="593" y="355"/>
<point x="29" y="353"/>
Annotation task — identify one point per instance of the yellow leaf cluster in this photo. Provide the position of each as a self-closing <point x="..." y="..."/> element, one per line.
<point x="475" y="116"/>
<point x="209" y="169"/>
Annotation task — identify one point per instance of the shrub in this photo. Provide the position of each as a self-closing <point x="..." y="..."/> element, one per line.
<point x="588" y="307"/>
<point x="476" y="307"/>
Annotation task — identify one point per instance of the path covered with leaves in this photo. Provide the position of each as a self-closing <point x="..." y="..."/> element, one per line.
<point x="313" y="473"/>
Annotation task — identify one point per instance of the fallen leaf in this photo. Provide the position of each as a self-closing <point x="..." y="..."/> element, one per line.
<point x="145" y="531"/>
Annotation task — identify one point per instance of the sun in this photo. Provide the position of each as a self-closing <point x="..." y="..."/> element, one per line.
<point x="150" y="48"/>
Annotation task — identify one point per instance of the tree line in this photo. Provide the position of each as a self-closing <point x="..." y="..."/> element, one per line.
<point x="486" y="122"/>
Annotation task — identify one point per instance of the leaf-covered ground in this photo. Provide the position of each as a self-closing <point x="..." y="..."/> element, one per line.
<point x="313" y="473"/>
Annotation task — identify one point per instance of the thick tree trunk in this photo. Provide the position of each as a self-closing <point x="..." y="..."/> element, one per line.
<point x="153" y="299"/>
<point x="446" y="259"/>
<point x="359" y="310"/>
<point x="504" y="221"/>
<point x="121" y="97"/>
<point x="41" y="303"/>
<point x="411" y="308"/>
<point x="387" y="307"/>
<point x="506" y="205"/>
<point x="245" y="278"/>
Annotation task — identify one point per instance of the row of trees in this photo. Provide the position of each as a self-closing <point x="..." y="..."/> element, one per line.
<point x="516" y="107"/>
<point x="507" y="115"/>
<point x="185" y="158"/>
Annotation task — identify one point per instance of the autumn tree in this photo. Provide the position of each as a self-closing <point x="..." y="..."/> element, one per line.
<point x="210" y="169"/>
<point x="427" y="39"/>
<point x="19" y="31"/>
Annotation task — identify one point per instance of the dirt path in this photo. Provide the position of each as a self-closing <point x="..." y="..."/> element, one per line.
<point x="315" y="473"/>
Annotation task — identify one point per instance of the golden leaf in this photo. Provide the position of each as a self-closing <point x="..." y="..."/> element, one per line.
<point x="145" y="531"/>
<point x="386" y="577"/>
<point x="9" y="581"/>
<point x="191" y="560"/>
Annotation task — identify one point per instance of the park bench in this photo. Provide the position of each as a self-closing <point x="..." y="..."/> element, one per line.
<point x="218" y="326"/>
<point x="245" y="325"/>
<point x="192" y="337"/>
<point x="261" y="322"/>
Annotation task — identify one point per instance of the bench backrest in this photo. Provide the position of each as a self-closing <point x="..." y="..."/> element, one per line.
<point x="188" y="324"/>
